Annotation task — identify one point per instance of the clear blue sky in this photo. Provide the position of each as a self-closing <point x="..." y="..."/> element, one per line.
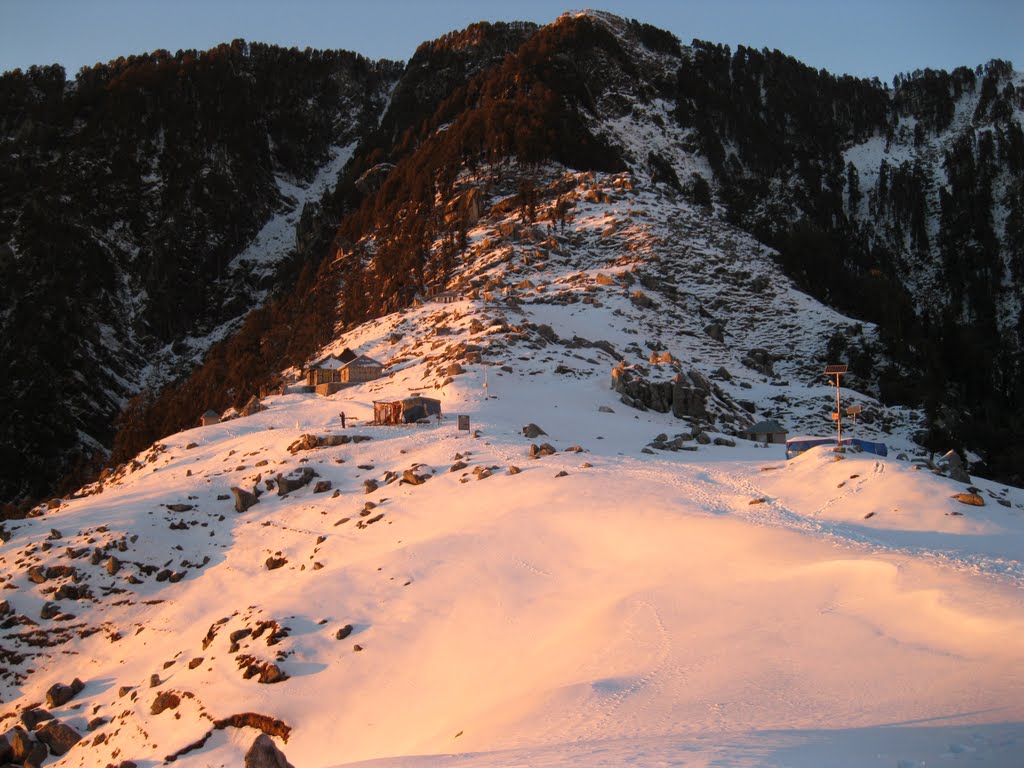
<point x="860" y="37"/>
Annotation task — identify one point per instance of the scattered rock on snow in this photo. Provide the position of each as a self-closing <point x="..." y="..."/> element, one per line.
<point x="531" y="431"/>
<point x="971" y="499"/>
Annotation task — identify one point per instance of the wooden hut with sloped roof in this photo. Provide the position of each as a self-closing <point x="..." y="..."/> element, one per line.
<point x="408" y="410"/>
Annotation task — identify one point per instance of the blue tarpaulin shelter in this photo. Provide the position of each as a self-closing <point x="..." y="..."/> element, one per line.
<point x="797" y="445"/>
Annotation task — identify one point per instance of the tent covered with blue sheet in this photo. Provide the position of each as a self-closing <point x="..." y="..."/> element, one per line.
<point x="797" y="445"/>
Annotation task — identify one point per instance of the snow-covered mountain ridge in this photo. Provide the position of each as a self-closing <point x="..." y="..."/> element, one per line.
<point x="432" y="596"/>
<point x="878" y="201"/>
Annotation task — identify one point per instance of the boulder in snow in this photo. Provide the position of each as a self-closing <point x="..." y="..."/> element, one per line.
<point x="264" y="754"/>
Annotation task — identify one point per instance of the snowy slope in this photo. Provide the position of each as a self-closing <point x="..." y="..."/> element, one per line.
<point x="608" y="604"/>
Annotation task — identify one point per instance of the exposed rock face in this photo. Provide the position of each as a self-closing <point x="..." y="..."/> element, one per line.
<point x="164" y="701"/>
<point x="955" y="467"/>
<point x="304" y="443"/>
<point x="689" y="395"/>
<point x="410" y="477"/>
<point x="971" y="499"/>
<point x="760" y="360"/>
<point x="31" y="718"/>
<point x="292" y="482"/>
<point x="264" y="753"/>
<point x="58" y="737"/>
<point x="60" y="694"/>
<point x="243" y="499"/>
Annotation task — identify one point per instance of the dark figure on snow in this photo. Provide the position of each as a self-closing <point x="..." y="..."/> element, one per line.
<point x="342" y="415"/>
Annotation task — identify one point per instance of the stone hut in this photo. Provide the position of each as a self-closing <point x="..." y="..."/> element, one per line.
<point x="767" y="431"/>
<point x="252" y="406"/>
<point x="361" y="369"/>
<point x="209" y="418"/>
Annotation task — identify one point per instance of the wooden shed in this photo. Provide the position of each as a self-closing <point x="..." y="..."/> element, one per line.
<point x="409" y="410"/>
<point x="210" y="417"/>
<point x="767" y="431"/>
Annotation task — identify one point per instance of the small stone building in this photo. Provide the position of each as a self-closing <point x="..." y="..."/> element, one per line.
<point x="361" y="369"/>
<point x="346" y="368"/>
<point x="406" y="411"/>
<point x="209" y="418"/>
<point x="767" y="431"/>
<point x="253" y="406"/>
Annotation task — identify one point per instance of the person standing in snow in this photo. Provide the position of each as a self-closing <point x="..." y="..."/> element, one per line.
<point x="342" y="415"/>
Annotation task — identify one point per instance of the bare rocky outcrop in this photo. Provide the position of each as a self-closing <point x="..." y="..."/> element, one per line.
<point x="409" y="476"/>
<point x="31" y="718"/>
<point x="293" y="481"/>
<point x="689" y="395"/>
<point x="264" y="753"/>
<point x="165" y="700"/>
<point x="310" y="442"/>
<point x="243" y="499"/>
<point x="760" y="360"/>
<point x="971" y="499"/>
<point x="954" y="467"/>
<point x="60" y="694"/>
<point x="24" y="749"/>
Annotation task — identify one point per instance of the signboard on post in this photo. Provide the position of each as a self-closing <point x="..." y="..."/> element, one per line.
<point x="464" y="423"/>
<point x="836" y="371"/>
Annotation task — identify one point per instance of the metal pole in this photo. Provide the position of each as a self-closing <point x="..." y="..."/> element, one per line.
<point x="839" y="416"/>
